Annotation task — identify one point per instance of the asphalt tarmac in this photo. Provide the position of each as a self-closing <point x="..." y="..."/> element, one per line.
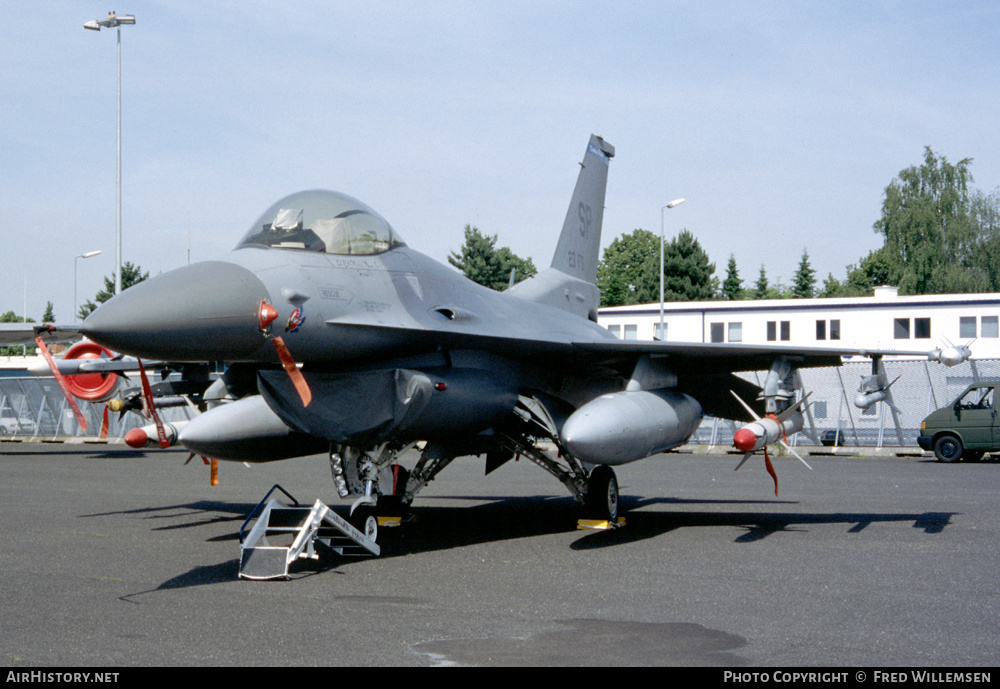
<point x="111" y="557"/>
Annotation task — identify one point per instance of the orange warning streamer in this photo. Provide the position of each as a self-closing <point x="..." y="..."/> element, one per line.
<point x="770" y="470"/>
<point x="147" y="395"/>
<point x="61" y="381"/>
<point x="298" y="380"/>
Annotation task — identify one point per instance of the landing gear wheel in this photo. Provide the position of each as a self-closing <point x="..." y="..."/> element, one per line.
<point x="948" y="448"/>
<point x="365" y="520"/>
<point x="602" y="494"/>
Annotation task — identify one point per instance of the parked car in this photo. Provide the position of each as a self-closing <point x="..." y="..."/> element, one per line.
<point x="14" y="425"/>
<point x="965" y="429"/>
<point x="831" y="438"/>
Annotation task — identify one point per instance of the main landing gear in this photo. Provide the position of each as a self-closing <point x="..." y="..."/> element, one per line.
<point x="386" y="490"/>
<point x="601" y="501"/>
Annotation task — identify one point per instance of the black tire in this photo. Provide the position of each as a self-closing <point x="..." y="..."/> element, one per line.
<point x="365" y="520"/>
<point x="602" y="494"/>
<point x="948" y="448"/>
<point x="972" y="455"/>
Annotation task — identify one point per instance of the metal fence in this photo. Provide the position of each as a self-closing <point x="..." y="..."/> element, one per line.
<point x="922" y="387"/>
<point x="34" y="408"/>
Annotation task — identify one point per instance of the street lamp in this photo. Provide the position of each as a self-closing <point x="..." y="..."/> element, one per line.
<point x="672" y="204"/>
<point x="116" y="22"/>
<point x="76" y="306"/>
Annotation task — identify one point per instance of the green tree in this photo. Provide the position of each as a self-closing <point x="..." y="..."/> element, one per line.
<point x="832" y="287"/>
<point x="760" y="288"/>
<point x="482" y="262"/>
<point x="874" y="270"/>
<point x="687" y="273"/>
<point x="620" y="270"/>
<point x="732" y="286"/>
<point x="804" y="282"/>
<point x="765" y="289"/>
<point x="131" y="275"/>
<point x="985" y="211"/>
<point x="11" y="317"/>
<point x="932" y="228"/>
<point x="50" y="315"/>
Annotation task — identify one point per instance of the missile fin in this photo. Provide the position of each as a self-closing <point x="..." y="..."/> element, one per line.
<point x="747" y="456"/>
<point x="746" y="406"/>
<point x="789" y="448"/>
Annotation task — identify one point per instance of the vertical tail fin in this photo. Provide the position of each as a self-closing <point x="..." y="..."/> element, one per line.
<point x="570" y="283"/>
<point x="579" y="245"/>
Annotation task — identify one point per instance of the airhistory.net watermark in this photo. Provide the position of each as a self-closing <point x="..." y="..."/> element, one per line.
<point x="40" y="676"/>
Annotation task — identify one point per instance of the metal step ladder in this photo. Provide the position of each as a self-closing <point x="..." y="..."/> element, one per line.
<point x="302" y="526"/>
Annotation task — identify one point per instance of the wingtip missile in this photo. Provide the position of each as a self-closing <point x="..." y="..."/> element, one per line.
<point x="952" y="355"/>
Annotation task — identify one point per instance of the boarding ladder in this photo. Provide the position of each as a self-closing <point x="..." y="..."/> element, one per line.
<point x="302" y="525"/>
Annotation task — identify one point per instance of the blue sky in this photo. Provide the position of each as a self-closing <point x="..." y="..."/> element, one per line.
<point x="780" y="122"/>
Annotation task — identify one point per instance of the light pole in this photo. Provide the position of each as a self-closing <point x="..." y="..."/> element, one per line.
<point x="672" y="204"/>
<point x="114" y="21"/>
<point x="76" y="306"/>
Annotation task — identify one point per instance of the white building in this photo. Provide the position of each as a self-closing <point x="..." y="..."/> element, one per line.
<point x="884" y="321"/>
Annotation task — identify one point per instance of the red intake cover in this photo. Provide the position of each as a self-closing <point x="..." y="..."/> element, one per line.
<point x="94" y="387"/>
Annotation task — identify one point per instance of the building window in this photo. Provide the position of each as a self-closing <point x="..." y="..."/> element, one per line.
<point x="631" y="331"/>
<point x="735" y="332"/>
<point x="901" y="329"/>
<point x="967" y="327"/>
<point x="922" y="328"/>
<point x="661" y="331"/>
<point x="615" y="330"/>
<point x="989" y="327"/>
<point x="820" y="330"/>
<point x="835" y="330"/>
<point x="772" y="331"/>
<point x="717" y="332"/>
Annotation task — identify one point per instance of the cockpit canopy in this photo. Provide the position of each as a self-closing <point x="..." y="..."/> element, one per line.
<point x="323" y="221"/>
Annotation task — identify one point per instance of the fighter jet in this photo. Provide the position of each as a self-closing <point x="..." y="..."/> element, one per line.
<point x="339" y="338"/>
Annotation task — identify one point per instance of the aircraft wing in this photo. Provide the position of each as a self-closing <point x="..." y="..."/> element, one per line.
<point x="728" y="357"/>
<point x="691" y="357"/>
<point x="15" y="334"/>
<point x="705" y="371"/>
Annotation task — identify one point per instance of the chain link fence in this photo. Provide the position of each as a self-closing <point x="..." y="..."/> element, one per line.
<point x="832" y="419"/>
<point x="34" y="408"/>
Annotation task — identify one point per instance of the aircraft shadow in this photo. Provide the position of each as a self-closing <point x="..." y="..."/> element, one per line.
<point x="442" y="528"/>
<point x="177" y="516"/>
<point x="94" y="452"/>
<point x="492" y="519"/>
<point x="756" y="526"/>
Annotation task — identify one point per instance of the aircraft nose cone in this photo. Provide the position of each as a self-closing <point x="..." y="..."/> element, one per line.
<point x="202" y="312"/>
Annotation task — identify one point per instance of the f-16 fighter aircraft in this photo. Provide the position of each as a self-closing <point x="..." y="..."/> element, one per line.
<point x="340" y="338"/>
